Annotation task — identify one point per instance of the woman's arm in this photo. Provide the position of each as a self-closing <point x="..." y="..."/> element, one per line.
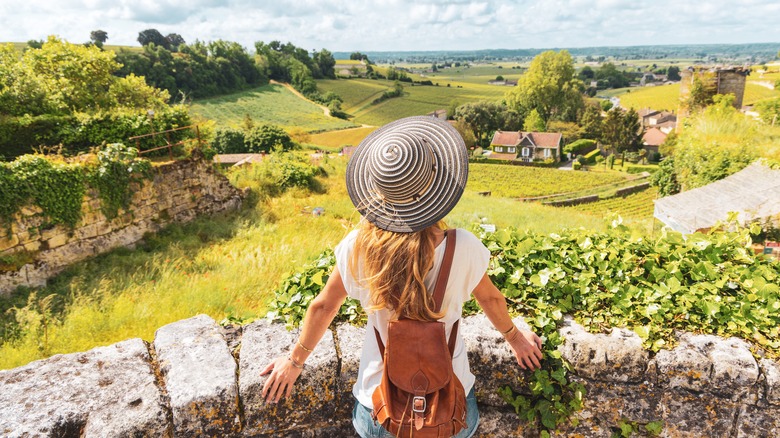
<point x="525" y="344"/>
<point x="285" y="369"/>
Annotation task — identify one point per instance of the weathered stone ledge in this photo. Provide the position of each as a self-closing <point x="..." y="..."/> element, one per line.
<point x="187" y="383"/>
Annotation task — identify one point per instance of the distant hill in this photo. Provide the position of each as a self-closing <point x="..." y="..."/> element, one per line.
<point x="757" y="52"/>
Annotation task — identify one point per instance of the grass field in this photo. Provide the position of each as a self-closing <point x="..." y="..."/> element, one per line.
<point x="344" y="137"/>
<point x="225" y="266"/>
<point x="267" y="104"/>
<point x="417" y="100"/>
<point x="524" y="182"/>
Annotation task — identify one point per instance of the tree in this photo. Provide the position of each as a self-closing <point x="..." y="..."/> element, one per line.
<point x="590" y="123"/>
<point x="482" y="117"/>
<point x="614" y="77"/>
<point x="550" y="87"/>
<point x="99" y="37"/>
<point x="152" y="36"/>
<point x="534" y="122"/>
<point x="174" y="41"/>
<point x="326" y="63"/>
<point x="586" y="73"/>
<point x="35" y="44"/>
<point x="673" y="73"/>
<point x="621" y="130"/>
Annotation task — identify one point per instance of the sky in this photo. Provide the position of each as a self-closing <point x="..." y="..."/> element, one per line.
<point x="401" y="25"/>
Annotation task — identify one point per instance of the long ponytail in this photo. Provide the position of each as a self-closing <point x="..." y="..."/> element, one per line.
<point x="393" y="267"/>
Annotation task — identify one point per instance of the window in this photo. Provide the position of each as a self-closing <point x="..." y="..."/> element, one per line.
<point x="511" y="150"/>
<point x="547" y="153"/>
<point x="499" y="149"/>
<point x="526" y="152"/>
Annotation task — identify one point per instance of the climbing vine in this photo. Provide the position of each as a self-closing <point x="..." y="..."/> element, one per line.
<point x="705" y="283"/>
<point x="57" y="185"/>
<point x="118" y="170"/>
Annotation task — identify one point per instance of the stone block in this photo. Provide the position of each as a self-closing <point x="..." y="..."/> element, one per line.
<point x="495" y="423"/>
<point x="771" y="371"/>
<point x="87" y="231"/>
<point x="57" y="241"/>
<point x="491" y="359"/>
<point x="9" y="242"/>
<point x="617" y="357"/>
<point x="313" y="401"/>
<point x="734" y="370"/>
<point x="107" y="391"/>
<point x="755" y="421"/>
<point x="610" y="402"/>
<point x="200" y="375"/>
<point x="350" y="339"/>
<point x="32" y="246"/>
<point x="684" y="367"/>
<point x="686" y="414"/>
<point x="30" y="210"/>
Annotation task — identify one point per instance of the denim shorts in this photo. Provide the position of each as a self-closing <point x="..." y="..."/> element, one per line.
<point x="366" y="427"/>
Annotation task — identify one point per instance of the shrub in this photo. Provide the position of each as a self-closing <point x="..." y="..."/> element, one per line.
<point x="576" y="165"/>
<point x="580" y="146"/>
<point x="267" y="138"/>
<point x="593" y="157"/>
<point x="229" y="141"/>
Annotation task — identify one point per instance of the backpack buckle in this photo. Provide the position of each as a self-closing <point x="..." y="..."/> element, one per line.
<point x="419" y="404"/>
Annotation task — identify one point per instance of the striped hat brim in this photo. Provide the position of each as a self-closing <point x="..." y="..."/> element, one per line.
<point x="408" y="174"/>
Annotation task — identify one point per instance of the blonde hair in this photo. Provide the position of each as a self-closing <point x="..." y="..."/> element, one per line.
<point x="393" y="267"/>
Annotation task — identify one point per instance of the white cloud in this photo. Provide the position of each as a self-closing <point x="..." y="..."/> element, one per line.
<point x="401" y="24"/>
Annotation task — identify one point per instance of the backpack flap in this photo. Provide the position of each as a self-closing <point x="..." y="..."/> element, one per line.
<point x="417" y="356"/>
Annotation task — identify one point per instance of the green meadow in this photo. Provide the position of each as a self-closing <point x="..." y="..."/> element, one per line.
<point x="270" y="103"/>
<point x="229" y="266"/>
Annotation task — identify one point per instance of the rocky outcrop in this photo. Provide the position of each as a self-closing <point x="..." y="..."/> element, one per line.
<point x="197" y="379"/>
<point x="179" y="192"/>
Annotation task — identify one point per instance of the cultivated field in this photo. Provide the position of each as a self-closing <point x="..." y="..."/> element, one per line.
<point x="417" y="100"/>
<point x="267" y="104"/>
<point x="345" y="137"/>
<point x="634" y="206"/>
<point x="668" y="96"/>
<point x="523" y="182"/>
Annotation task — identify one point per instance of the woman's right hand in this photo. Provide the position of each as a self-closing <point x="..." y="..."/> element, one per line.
<point x="527" y="347"/>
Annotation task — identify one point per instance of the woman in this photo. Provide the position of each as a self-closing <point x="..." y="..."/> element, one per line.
<point x="404" y="178"/>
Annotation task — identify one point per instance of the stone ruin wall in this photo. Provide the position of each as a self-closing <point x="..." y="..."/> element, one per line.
<point x="724" y="81"/>
<point x="199" y="379"/>
<point x="178" y="192"/>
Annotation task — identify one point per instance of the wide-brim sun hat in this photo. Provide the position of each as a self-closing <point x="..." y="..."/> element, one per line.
<point x="408" y="174"/>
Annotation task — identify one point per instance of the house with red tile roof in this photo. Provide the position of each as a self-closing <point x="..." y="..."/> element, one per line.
<point x="526" y="146"/>
<point x="653" y="138"/>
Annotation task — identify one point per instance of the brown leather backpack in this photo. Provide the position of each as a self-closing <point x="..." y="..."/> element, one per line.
<point x="420" y="395"/>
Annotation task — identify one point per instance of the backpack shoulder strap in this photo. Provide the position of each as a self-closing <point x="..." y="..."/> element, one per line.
<point x="444" y="271"/>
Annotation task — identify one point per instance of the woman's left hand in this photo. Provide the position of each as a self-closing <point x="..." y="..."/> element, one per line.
<point x="280" y="382"/>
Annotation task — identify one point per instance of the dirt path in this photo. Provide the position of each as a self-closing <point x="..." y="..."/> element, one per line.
<point x="325" y="109"/>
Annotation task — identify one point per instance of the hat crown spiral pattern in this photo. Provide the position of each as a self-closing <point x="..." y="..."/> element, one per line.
<point x="408" y="174"/>
<point x="402" y="169"/>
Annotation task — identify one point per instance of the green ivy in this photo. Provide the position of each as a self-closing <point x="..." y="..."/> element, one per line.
<point x="704" y="283"/>
<point x="56" y="187"/>
<point x="117" y="171"/>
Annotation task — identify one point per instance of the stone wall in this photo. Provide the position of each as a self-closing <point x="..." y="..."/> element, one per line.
<point x="179" y="192"/>
<point x="199" y="379"/>
<point x="723" y="80"/>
